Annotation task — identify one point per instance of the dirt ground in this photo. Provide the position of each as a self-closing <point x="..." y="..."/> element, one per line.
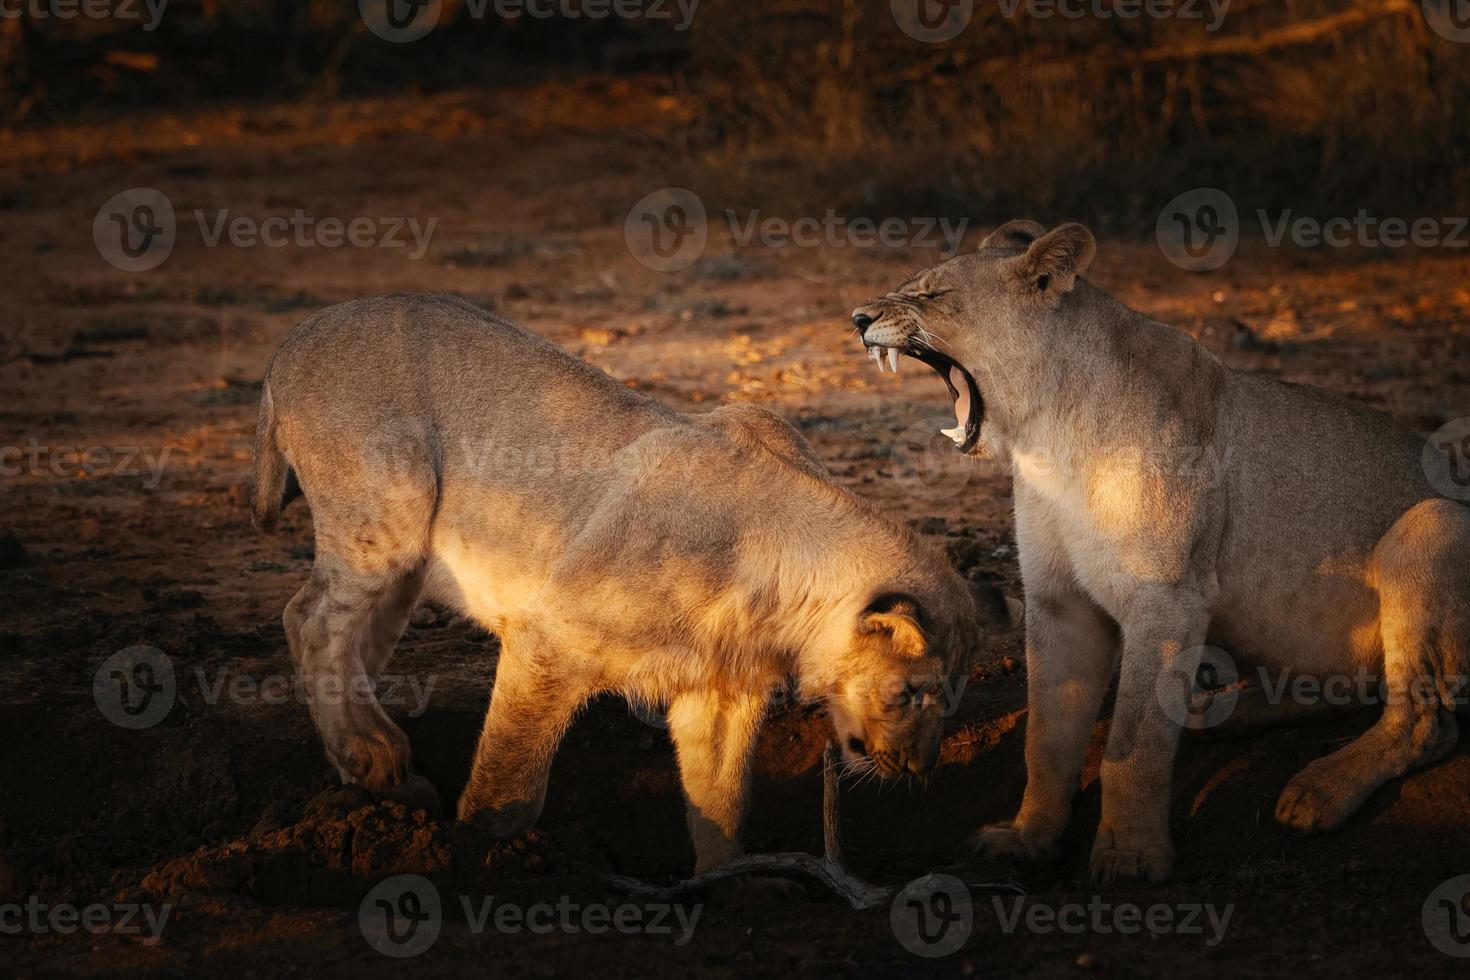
<point x="224" y="809"/>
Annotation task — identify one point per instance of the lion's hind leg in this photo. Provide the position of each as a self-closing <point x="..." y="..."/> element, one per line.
<point x="1423" y="576"/>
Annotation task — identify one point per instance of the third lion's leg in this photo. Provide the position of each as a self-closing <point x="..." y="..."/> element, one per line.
<point x="715" y="734"/>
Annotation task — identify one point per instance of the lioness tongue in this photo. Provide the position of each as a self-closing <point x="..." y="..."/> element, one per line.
<point x="961" y="406"/>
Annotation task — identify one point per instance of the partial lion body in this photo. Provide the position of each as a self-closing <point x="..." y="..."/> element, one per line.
<point x="1166" y="504"/>
<point x="613" y="544"/>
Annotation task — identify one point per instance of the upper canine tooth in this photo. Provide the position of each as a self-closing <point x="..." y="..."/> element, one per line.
<point x="957" y="434"/>
<point x="893" y="359"/>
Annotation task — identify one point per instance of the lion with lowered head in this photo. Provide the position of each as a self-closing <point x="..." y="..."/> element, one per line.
<point x="1164" y="502"/>
<point x="613" y="544"/>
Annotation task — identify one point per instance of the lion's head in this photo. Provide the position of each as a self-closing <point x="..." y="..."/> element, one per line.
<point x="900" y="670"/>
<point x="976" y="317"/>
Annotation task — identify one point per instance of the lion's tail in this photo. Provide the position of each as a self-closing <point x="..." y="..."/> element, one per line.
<point x="271" y="469"/>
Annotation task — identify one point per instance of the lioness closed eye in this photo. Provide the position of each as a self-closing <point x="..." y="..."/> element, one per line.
<point x="613" y="544"/>
<point x="1165" y="502"/>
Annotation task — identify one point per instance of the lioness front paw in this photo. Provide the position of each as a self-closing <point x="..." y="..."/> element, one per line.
<point x="379" y="760"/>
<point x="1006" y="840"/>
<point x="1316" y="800"/>
<point x="1118" y="858"/>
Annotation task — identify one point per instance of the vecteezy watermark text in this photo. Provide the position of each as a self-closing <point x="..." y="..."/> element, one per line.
<point x="147" y="12"/>
<point x="1200" y="229"/>
<point x="669" y="229"/>
<point x="68" y="462"/>
<point x="120" y="918"/>
<point x="1213" y="11"/>
<point x="1104" y="917"/>
<point x="138" y="687"/>
<point x="934" y="915"/>
<point x="402" y="916"/>
<point x="136" y="230"/>
<point x="402" y="21"/>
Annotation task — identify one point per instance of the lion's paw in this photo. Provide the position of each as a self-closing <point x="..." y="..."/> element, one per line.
<point x="1115" y="861"/>
<point x="379" y="759"/>
<point x="1006" y="840"/>
<point x="1315" y="801"/>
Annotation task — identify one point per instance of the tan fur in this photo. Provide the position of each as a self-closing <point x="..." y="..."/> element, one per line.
<point x="1162" y="502"/>
<point x="613" y="544"/>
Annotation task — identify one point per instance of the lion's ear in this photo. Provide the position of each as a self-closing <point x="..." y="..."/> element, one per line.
<point x="1053" y="262"/>
<point x="1014" y="234"/>
<point x="898" y="616"/>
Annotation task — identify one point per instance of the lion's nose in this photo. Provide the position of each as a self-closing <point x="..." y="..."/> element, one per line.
<point x="922" y="765"/>
<point x="861" y="320"/>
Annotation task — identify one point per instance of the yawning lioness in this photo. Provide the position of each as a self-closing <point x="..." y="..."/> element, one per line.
<point x="613" y="544"/>
<point x="1164" y="502"/>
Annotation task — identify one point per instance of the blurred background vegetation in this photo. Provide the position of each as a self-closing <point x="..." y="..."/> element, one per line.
<point x="1324" y="106"/>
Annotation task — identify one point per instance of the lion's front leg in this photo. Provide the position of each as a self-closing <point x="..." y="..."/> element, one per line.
<point x="535" y="697"/>
<point x="1162" y="635"/>
<point x="1071" y="649"/>
<point x="714" y="735"/>
<point x="1071" y="653"/>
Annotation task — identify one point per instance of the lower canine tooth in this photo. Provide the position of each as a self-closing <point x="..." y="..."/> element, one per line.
<point x="957" y="434"/>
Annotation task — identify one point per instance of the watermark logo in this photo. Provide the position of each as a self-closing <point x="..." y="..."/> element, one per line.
<point x="1200" y="688"/>
<point x="1450" y="19"/>
<point x="924" y="461"/>
<point x="138" y="687"/>
<point x="1446" y="459"/>
<point x="135" y="230"/>
<point x="135" y="688"/>
<point x="401" y="916"/>
<point x="147" y="12"/>
<point x="1446" y="917"/>
<point x="667" y="230"/>
<point x="400" y="21"/>
<point x="932" y="916"/>
<point x="1199" y="230"/>
<point x="932" y="21"/>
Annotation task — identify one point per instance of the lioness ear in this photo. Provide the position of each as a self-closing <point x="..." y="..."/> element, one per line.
<point x="897" y="615"/>
<point x="1053" y="262"/>
<point x="1014" y="234"/>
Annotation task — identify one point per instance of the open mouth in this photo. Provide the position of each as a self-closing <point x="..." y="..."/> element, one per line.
<point x="969" y="407"/>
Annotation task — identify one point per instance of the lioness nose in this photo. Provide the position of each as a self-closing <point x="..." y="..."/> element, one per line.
<point x="926" y="762"/>
<point x="861" y="320"/>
